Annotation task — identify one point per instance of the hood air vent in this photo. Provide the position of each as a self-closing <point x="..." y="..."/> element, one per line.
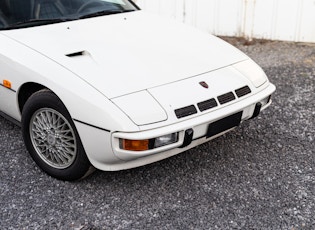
<point x="76" y="54"/>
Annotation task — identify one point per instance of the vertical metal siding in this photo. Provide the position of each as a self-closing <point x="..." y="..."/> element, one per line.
<point x="291" y="20"/>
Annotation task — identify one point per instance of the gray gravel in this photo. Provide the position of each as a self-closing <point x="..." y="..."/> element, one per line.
<point x="260" y="176"/>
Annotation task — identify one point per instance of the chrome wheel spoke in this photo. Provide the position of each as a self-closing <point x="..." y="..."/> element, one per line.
<point x="53" y="138"/>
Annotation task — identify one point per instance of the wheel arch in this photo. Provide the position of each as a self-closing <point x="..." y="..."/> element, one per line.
<point x="27" y="90"/>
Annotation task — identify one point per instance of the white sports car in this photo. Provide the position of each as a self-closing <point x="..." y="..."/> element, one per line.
<point x="101" y="83"/>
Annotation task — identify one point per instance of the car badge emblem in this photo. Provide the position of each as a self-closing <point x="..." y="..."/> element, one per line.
<point x="204" y="84"/>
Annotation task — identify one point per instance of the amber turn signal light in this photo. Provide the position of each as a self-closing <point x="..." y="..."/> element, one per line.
<point x="135" y="145"/>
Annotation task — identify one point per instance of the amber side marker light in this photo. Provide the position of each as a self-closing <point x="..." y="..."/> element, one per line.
<point x="7" y="84"/>
<point x="135" y="145"/>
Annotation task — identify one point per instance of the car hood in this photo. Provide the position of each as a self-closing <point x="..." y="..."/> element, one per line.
<point x="125" y="53"/>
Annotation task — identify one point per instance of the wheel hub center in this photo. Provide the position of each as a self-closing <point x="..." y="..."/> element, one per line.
<point x="51" y="139"/>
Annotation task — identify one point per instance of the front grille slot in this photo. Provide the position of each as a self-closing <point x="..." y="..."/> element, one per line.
<point x="205" y="105"/>
<point x="243" y="91"/>
<point x="212" y="103"/>
<point x="225" y="98"/>
<point x="185" y="111"/>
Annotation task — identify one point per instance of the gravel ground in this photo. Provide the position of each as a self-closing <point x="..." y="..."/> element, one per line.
<point x="260" y="176"/>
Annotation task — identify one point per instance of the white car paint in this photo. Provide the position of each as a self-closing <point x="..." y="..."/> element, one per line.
<point x="135" y="51"/>
<point x="133" y="70"/>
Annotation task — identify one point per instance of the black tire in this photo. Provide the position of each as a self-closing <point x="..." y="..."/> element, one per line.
<point x="51" y="137"/>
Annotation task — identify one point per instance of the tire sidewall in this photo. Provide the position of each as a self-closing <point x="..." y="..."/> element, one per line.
<point x="47" y="99"/>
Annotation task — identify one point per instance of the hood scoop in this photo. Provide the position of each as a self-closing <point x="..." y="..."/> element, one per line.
<point x="77" y="54"/>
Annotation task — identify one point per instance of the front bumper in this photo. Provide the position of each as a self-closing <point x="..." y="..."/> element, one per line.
<point x="248" y="108"/>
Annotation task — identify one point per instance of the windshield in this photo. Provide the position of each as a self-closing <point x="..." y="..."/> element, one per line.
<point x="16" y="14"/>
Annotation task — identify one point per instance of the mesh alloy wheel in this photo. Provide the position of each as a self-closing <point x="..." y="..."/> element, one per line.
<point x="53" y="138"/>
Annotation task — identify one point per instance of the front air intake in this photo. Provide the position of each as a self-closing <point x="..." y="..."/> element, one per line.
<point x="225" y="98"/>
<point x="213" y="102"/>
<point x="243" y="91"/>
<point x="185" y="111"/>
<point x="205" y="105"/>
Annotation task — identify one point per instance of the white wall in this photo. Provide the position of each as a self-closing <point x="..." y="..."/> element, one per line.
<point x="291" y="20"/>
